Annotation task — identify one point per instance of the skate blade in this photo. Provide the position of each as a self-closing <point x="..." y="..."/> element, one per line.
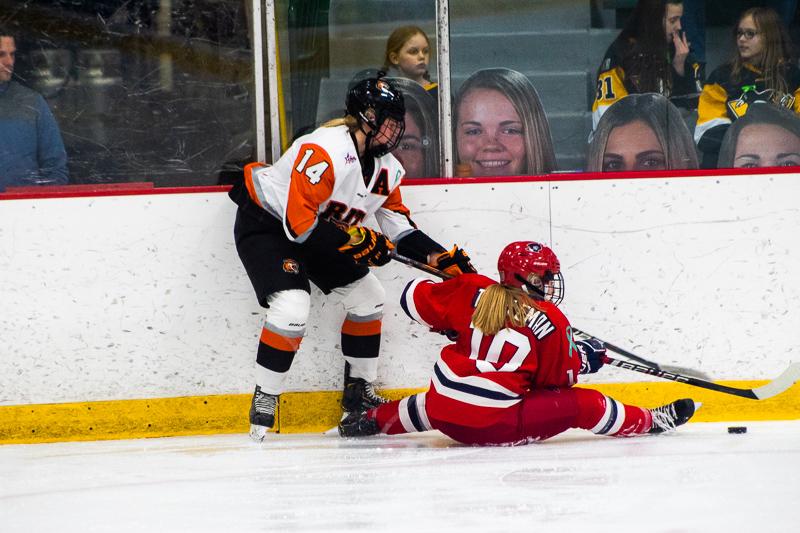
<point x="257" y="433"/>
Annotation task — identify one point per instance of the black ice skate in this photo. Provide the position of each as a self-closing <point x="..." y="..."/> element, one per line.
<point x="358" y="425"/>
<point x="262" y="413"/>
<point x="668" y="417"/>
<point x="359" y="395"/>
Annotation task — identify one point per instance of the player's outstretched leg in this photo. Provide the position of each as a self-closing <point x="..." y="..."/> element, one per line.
<point x="668" y="417"/>
<point x="604" y="415"/>
<point x="359" y="394"/>
<point x="262" y="413"/>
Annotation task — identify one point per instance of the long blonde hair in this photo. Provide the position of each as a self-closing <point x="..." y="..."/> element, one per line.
<point x="501" y="306"/>
<point x="540" y="157"/>
<point x="350" y="121"/>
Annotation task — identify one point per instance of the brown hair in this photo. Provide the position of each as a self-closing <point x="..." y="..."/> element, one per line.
<point x="660" y="115"/>
<point x="777" y="48"/>
<point x="501" y="306"/>
<point x="645" y="47"/>
<point x="757" y="113"/>
<point x="397" y="40"/>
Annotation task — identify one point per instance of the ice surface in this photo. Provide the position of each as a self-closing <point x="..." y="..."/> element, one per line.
<point x="698" y="479"/>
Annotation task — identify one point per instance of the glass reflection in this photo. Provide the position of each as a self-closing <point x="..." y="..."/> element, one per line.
<point x="144" y="90"/>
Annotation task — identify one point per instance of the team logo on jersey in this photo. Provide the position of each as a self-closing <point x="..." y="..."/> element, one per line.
<point x="290" y="266"/>
<point x="349" y="158"/>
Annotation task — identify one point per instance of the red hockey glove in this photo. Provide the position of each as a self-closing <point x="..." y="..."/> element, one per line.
<point x="592" y="352"/>
<point x="453" y="262"/>
<point x="367" y="246"/>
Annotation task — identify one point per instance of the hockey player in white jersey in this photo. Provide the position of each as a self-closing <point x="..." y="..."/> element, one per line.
<point x="299" y="221"/>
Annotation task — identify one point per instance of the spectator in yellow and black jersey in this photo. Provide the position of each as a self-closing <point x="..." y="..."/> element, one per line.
<point x="762" y="71"/>
<point x="650" y="55"/>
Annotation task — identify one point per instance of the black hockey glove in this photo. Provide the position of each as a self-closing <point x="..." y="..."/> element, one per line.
<point x="592" y="353"/>
<point x="367" y="246"/>
<point x="451" y="334"/>
<point x="453" y="262"/>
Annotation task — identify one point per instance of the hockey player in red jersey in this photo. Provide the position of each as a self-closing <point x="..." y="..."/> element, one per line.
<point x="508" y="377"/>
<point x="299" y="221"/>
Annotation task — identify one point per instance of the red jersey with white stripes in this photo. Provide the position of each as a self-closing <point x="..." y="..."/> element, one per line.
<point x="488" y="373"/>
<point x="320" y="176"/>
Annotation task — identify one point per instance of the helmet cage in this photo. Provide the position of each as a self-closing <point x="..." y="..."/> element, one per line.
<point x="374" y="101"/>
<point x="385" y="133"/>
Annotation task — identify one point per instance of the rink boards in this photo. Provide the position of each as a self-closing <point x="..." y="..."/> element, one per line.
<point x="131" y="315"/>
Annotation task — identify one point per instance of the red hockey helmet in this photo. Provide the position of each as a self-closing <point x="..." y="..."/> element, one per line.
<point x="532" y="267"/>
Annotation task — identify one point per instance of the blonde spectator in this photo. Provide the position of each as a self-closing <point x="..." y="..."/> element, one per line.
<point x="500" y="125"/>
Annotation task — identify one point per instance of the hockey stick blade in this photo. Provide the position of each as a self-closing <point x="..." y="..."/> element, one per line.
<point x="789" y="377"/>
<point x="780" y="384"/>
<point x="671" y="369"/>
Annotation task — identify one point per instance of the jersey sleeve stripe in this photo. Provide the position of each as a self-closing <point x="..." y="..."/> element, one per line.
<point x="308" y="189"/>
<point x="394" y="202"/>
<point x="253" y="189"/>
<point x="407" y="301"/>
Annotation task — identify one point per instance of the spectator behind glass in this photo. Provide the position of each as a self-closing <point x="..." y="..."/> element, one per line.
<point x="761" y="71"/>
<point x="500" y="126"/>
<point x="419" y="147"/>
<point x="31" y="149"/>
<point x="641" y="132"/>
<point x="650" y="55"/>
<point x="694" y="21"/>
<point x="408" y="53"/>
<point x="767" y="136"/>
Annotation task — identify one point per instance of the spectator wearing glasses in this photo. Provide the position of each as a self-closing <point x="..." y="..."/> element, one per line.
<point x="761" y="71"/>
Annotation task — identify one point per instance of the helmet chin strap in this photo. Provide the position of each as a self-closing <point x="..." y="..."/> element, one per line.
<point x="369" y="135"/>
<point x="530" y="288"/>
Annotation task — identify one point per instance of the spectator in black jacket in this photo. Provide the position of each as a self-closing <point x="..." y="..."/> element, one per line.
<point x="650" y="55"/>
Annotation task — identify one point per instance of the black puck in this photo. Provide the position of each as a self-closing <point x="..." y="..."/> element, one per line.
<point x="737" y="429"/>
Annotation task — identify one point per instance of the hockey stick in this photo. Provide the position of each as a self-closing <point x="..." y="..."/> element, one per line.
<point x="652" y="364"/>
<point x="789" y="377"/>
<point x="633" y="357"/>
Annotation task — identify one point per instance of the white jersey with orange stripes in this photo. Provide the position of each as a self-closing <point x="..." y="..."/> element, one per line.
<point x="320" y="177"/>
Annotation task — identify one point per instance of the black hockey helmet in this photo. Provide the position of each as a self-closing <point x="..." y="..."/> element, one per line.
<point x="373" y="100"/>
